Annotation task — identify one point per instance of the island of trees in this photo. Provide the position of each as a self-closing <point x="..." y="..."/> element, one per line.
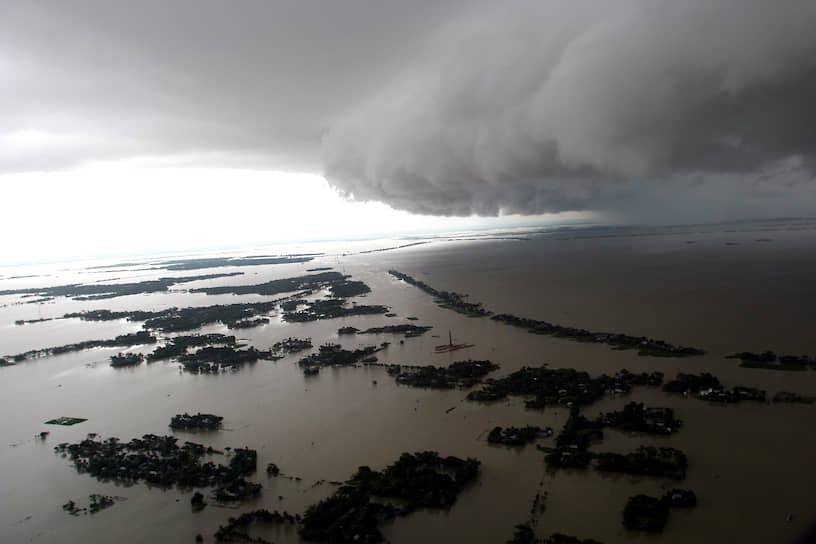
<point x="160" y="461"/>
<point x="248" y="323"/>
<point x="99" y="291"/>
<point x="445" y="299"/>
<point x="637" y="417"/>
<point x="338" y="284"/>
<point x="96" y="503"/>
<point x="126" y="359"/>
<point x="199" y="421"/>
<point x="409" y="330"/>
<point x="178" y="345"/>
<point x="182" y="319"/>
<point x="236" y="528"/>
<point x="459" y="374"/>
<point x="234" y="316"/>
<point x="707" y="387"/>
<point x="330" y="309"/>
<point x="770" y="361"/>
<point x="123" y="340"/>
<point x="516" y="436"/>
<point x="564" y="386"/>
<point x="216" y="262"/>
<point x="645" y="513"/>
<point x="646" y="460"/>
<point x="334" y="355"/>
<point x="572" y="443"/>
<point x="292" y="345"/>
<point x="644" y="345"/>
<point x="421" y="480"/>
<point x="213" y="359"/>
<point x="212" y="262"/>
<point x="572" y="451"/>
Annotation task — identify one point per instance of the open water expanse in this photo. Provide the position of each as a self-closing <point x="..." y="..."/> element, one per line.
<point x="722" y="288"/>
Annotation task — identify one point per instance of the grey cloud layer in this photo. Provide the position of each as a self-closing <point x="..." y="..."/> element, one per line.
<point x="253" y="78"/>
<point x="433" y="107"/>
<point x="545" y="110"/>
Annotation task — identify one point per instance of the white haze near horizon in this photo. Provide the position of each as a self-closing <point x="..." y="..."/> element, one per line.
<point x="118" y="209"/>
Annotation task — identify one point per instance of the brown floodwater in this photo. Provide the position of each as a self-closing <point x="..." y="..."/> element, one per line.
<point x="723" y="289"/>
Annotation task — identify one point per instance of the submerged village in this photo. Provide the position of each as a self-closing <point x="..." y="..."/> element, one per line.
<point x="359" y="508"/>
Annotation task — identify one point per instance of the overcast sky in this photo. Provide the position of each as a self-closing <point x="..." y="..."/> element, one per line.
<point x="637" y="110"/>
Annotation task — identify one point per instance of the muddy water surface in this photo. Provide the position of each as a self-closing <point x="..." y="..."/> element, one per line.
<point x="750" y="464"/>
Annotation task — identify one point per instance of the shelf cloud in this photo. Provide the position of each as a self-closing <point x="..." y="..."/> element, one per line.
<point x="548" y="108"/>
<point x="637" y="107"/>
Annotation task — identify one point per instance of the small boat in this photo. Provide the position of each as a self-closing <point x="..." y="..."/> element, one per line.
<point x="450" y="346"/>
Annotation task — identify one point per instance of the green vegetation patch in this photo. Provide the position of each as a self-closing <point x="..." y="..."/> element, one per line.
<point x="178" y="345"/>
<point x="645" y="513"/>
<point x="212" y="359"/>
<point x="330" y="309"/>
<point x="708" y="387"/>
<point x="160" y="461"/>
<point x="646" y="460"/>
<point x="132" y="339"/>
<point x="126" y="359"/>
<point x="514" y="436"/>
<point x="770" y="361"/>
<point x="236" y="528"/>
<point x="215" y="262"/>
<point x="334" y="355"/>
<point x="619" y="342"/>
<point x="336" y="282"/>
<point x="459" y="374"/>
<point x="199" y="421"/>
<point x="637" y="417"/>
<point x="182" y="319"/>
<point x="292" y="345"/>
<point x="99" y="291"/>
<point x="96" y="503"/>
<point x="445" y="299"/>
<point x="564" y="386"/>
<point x="408" y="330"/>
<point x="420" y="480"/>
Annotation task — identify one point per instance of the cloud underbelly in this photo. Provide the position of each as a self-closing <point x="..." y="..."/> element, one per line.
<point x="546" y="108"/>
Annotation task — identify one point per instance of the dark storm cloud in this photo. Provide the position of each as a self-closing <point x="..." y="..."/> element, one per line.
<point x="548" y="108"/>
<point x="643" y="107"/>
<point x="253" y="78"/>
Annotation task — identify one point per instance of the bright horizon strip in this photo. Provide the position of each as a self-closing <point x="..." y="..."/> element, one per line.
<point x="116" y="209"/>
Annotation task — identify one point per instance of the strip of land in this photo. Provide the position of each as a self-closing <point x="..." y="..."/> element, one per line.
<point x="339" y="285"/>
<point x="771" y="361"/>
<point x="100" y="291"/>
<point x="644" y="345"/>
